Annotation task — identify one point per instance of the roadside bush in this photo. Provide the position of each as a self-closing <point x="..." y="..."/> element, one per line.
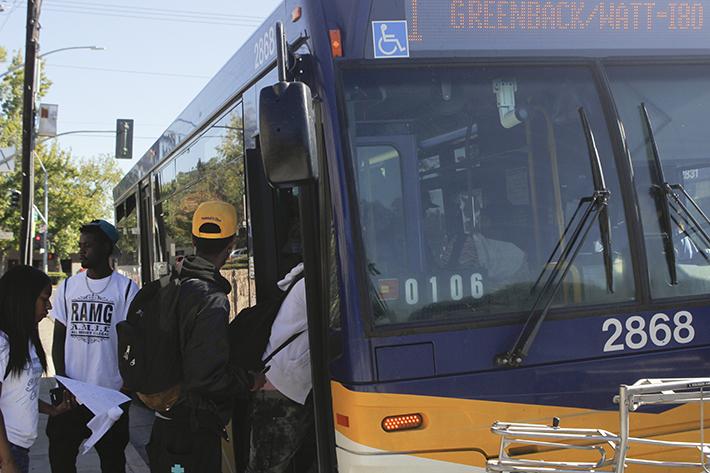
<point x="56" y="276"/>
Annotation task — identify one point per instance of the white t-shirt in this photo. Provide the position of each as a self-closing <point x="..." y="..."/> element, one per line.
<point x="90" y="310"/>
<point x="19" y="402"/>
<point x="290" y="369"/>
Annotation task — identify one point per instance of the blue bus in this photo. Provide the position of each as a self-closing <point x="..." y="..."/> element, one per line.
<point x="501" y="206"/>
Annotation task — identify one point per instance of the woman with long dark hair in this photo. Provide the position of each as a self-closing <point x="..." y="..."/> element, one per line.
<point x="24" y="302"/>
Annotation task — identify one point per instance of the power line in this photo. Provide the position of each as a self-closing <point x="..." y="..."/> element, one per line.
<point x="128" y="71"/>
<point x="167" y="16"/>
<point x="85" y="11"/>
<point x="9" y="14"/>
<point x="173" y="20"/>
<point x="152" y="15"/>
<point x="109" y="124"/>
<point x="161" y="11"/>
<point x="112" y="135"/>
<point x="151" y="11"/>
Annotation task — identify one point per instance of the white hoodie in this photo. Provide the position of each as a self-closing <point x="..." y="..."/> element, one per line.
<point x="290" y="369"/>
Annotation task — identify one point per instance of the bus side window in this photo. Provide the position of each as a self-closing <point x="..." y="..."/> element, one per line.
<point x="216" y="173"/>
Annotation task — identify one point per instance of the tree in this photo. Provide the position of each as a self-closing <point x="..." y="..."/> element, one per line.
<point x="79" y="190"/>
<point x="11" y="102"/>
<point x="218" y="175"/>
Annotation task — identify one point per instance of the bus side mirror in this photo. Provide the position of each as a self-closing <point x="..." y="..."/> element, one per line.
<point x="287" y="133"/>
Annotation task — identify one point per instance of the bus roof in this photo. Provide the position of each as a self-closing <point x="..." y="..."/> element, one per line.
<point x="239" y="71"/>
<point x="462" y="28"/>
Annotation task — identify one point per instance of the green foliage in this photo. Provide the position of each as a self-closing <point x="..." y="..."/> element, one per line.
<point x="79" y="190"/>
<point x="56" y="276"/>
<point x="218" y="175"/>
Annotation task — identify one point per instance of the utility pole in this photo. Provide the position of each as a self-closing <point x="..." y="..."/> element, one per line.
<point x="28" y="125"/>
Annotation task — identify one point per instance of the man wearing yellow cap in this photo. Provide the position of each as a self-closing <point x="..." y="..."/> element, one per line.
<point x="187" y="438"/>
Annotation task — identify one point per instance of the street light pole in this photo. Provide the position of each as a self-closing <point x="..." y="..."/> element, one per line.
<point x="43" y="55"/>
<point x="73" y="132"/>
<point x="31" y="80"/>
<point x="45" y="241"/>
<point x="45" y="256"/>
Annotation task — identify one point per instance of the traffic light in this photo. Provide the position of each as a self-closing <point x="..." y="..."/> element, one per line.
<point x="37" y="242"/>
<point x="15" y="198"/>
<point x="124" y="139"/>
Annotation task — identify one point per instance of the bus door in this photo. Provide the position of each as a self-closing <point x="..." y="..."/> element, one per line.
<point x="275" y="230"/>
<point x="274" y="240"/>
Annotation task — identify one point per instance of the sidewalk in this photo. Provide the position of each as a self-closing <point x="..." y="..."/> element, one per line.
<point x="141" y="421"/>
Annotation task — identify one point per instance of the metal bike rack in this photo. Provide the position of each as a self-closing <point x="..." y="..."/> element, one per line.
<point x="612" y="449"/>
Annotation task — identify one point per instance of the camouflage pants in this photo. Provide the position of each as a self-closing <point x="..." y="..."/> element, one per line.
<point x="281" y="432"/>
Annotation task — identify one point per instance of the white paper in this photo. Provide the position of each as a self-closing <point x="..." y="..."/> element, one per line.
<point x="103" y="402"/>
<point x="99" y="425"/>
<point x="99" y="400"/>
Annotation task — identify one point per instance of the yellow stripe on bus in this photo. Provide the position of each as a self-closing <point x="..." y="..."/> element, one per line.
<point x="458" y="430"/>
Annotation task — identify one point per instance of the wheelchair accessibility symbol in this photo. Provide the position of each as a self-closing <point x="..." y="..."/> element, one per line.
<point x="390" y="39"/>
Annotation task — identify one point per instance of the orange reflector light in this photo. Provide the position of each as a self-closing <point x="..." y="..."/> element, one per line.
<point x="403" y="422"/>
<point x="296" y="14"/>
<point x="336" y="45"/>
<point x="342" y="420"/>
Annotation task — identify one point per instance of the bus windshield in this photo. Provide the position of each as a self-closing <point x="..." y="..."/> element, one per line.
<point x="676" y="98"/>
<point x="466" y="178"/>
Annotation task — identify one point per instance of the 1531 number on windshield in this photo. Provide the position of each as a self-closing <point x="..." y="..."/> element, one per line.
<point x="636" y="333"/>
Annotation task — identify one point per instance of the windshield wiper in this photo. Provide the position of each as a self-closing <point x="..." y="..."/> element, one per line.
<point x="594" y="207"/>
<point x="665" y="192"/>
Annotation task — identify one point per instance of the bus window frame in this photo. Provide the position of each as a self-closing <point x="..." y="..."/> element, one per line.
<point x="133" y="193"/>
<point x="625" y="174"/>
<point x="623" y="170"/>
<point x="146" y="217"/>
<point x="328" y="232"/>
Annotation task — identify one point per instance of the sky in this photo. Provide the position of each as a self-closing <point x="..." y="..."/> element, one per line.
<point x="159" y="54"/>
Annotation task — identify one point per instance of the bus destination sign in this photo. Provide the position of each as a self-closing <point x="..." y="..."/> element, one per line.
<point x="557" y="25"/>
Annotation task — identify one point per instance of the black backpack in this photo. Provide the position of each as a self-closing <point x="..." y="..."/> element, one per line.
<point x="149" y="344"/>
<point x="250" y="331"/>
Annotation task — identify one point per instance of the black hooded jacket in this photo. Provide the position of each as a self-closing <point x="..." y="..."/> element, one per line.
<point x="203" y="311"/>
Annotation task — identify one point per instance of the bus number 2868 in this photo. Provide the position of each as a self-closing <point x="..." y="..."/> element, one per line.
<point x="660" y="331"/>
<point x="264" y="48"/>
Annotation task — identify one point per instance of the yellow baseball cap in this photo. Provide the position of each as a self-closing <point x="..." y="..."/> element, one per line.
<point x="214" y="219"/>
